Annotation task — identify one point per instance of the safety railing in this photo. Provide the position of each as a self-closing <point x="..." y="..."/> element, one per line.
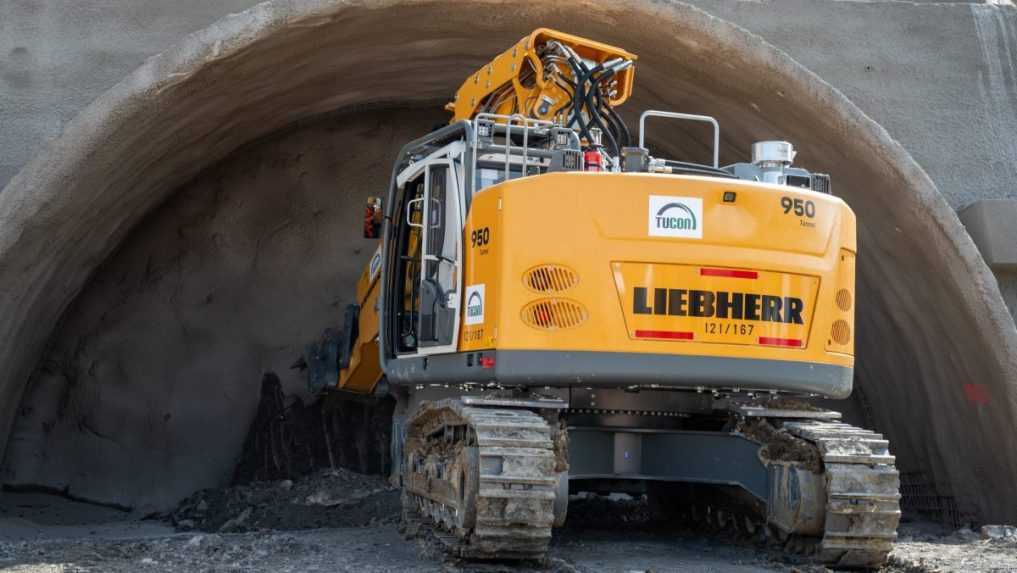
<point x="494" y="133"/>
<point x="687" y="117"/>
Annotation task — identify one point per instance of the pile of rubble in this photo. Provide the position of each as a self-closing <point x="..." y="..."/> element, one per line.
<point x="328" y="498"/>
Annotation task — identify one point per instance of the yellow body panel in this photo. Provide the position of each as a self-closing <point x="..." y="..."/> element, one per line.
<point x="504" y="71"/>
<point x="597" y="225"/>
<point x="365" y="371"/>
<point x="483" y="265"/>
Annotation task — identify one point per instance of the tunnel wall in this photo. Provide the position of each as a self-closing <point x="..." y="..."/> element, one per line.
<point x="194" y="105"/>
<point x="159" y="361"/>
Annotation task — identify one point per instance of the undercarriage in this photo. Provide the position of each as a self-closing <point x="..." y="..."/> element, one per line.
<point x="484" y="476"/>
<point x="488" y="476"/>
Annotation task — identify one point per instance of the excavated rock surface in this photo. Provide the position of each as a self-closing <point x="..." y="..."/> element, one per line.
<point x="149" y="389"/>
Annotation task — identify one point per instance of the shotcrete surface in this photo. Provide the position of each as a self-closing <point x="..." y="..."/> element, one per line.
<point x="923" y="69"/>
<point x="150" y="379"/>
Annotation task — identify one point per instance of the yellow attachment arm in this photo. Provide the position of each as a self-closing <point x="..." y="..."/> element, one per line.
<point x="531" y="79"/>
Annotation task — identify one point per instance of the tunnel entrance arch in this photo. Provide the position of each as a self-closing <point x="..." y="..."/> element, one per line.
<point x="937" y="350"/>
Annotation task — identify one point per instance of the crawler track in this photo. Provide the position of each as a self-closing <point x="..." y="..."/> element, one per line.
<point x="853" y="510"/>
<point x="480" y="480"/>
<point x="862" y="492"/>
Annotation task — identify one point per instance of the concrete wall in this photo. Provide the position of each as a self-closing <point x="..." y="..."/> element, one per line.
<point x="56" y="56"/>
<point x="939" y="76"/>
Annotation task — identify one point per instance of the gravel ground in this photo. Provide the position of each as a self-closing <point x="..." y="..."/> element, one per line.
<point x="341" y="521"/>
<point x="367" y="549"/>
<point x="922" y="548"/>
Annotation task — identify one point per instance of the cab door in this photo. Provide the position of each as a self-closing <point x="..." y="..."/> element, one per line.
<point x="441" y="261"/>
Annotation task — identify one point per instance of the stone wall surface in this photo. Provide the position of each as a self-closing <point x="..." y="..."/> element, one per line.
<point x="168" y="271"/>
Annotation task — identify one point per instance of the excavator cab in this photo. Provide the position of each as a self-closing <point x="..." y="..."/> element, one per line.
<point x="428" y="254"/>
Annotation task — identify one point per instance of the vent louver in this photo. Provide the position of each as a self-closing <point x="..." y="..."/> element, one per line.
<point x="554" y="314"/>
<point x="841" y="332"/>
<point x="550" y="279"/>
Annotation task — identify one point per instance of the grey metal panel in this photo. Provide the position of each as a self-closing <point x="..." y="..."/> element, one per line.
<point x="642" y="401"/>
<point x="439" y="369"/>
<point x="607" y="369"/>
<point x="590" y="453"/>
<point x="628" y="453"/>
<point x="593" y="369"/>
<point x="708" y="458"/>
<point x="692" y="457"/>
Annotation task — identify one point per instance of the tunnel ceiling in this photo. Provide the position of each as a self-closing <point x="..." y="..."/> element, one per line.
<point x="937" y="350"/>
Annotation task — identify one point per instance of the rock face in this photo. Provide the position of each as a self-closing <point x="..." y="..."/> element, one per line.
<point x="211" y="275"/>
<point x="147" y="391"/>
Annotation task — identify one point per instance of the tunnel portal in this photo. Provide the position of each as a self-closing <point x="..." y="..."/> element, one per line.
<point x="199" y="223"/>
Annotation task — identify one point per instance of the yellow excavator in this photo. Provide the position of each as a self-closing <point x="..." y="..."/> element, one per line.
<point x="556" y="310"/>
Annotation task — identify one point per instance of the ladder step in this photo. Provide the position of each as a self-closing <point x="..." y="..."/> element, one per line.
<point x="535" y="533"/>
<point x="859" y="459"/>
<point x="518" y="479"/>
<point x="512" y="443"/>
<point x="866" y="496"/>
<point x="500" y="493"/>
<point x="845" y="537"/>
<point x="502" y="522"/>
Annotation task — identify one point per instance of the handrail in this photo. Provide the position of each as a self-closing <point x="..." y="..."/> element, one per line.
<point x="518" y="121"/>
<point x="688" y="116"/>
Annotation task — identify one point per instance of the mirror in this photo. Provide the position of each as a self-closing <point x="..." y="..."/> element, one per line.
<point x="372" y="218"/>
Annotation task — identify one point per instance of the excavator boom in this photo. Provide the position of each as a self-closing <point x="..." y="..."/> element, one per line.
<point x="541" y="75"/>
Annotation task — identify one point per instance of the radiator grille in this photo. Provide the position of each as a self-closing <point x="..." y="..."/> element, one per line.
<point x="550" y="279"/>
<point x="553" y="314"/>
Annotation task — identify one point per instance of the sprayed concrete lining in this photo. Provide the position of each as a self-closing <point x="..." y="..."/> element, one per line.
<point x="937" y="349"/>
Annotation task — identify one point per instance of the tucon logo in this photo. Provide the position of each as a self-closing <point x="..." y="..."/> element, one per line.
<point x="474" y="304"/>
<point x="676" y="217"/>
